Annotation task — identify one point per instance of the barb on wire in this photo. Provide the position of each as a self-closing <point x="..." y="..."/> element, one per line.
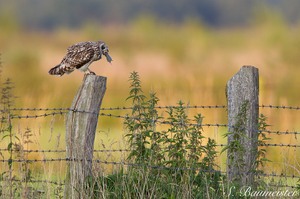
<point x="284" y="186"/>
<point x="282" y="132"/>
<point x="103" y="162"/>
<point x="158" y="107"/>
<point x="34" y="181"/>
<point x="119" y="108"/>
<point x="51" y="114"/>
<point x="280" y="107"/>
<point x="282" y="175"/>
<point x="63" y="151"/>
<point x="268" y="145"/>
<point x="38" y="109"/>
<point x="60" y="111"/>
<point x="37" y="116"/>
<point x="281" y="145"/>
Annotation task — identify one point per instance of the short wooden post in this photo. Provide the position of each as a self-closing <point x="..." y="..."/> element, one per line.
<point x="81" y="126"/>
<point x="243" y="111"/>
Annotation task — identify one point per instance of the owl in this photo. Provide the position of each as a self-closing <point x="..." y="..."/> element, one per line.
<point x="80" y="56"/>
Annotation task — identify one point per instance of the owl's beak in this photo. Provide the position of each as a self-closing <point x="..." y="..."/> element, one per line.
<point x="108" y="57"/>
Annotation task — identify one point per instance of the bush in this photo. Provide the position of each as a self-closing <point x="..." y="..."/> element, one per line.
<point x="172" y="162"/>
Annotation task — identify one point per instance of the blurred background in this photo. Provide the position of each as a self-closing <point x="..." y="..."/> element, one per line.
<point x="183" y="50"/>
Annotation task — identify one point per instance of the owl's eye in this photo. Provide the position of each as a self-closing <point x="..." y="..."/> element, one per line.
<point x="103" y="47"/>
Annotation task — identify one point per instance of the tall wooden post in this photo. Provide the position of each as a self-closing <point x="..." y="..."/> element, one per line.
<point x="81" y="126"/>
<point x="243" y="111"/>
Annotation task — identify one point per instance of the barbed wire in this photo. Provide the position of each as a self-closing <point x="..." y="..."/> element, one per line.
<point x="135" y="118"/>
<point x="117" y="108"/>
<point x="280" y="145"/>
<point x="156" y="121"/>
<point x="282" y="175"/>
<point x="63" y="150"/>
<point x="280" y="107"/>
<point x="34" y="181"/>
<point x="285" y="186"/>
<point x="157" y="107"/>
<point x="281" y="132"/>
<point x="128" y="150"/>
<point x="104" y="162"/>
<point x="268" y="145"/>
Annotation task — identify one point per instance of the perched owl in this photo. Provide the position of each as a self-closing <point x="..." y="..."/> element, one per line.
<point x="80" y="56"/>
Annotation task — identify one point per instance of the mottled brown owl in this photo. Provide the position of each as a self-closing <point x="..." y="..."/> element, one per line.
<point x="80" y="56"/>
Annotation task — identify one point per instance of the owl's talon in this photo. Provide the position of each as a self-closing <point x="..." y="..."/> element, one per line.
<point x="89" y="72"/>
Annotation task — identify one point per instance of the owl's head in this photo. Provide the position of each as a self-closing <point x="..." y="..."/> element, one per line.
<point x="104" y="50"/>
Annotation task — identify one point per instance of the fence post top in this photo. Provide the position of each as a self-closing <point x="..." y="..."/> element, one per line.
<point x="93" y="77"/>
<point x="248" y="67"/>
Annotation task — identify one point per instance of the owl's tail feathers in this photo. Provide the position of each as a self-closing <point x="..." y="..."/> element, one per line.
<point x="56" y="71"/>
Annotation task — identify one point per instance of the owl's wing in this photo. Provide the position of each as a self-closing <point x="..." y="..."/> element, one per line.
<point x="79" y="54"/>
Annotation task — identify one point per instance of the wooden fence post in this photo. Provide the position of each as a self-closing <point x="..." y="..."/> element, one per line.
<point x="81" y="126"/>
<point x="243" y="111"/>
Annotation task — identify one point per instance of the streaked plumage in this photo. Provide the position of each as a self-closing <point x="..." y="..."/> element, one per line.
<point x="80" y="56"/>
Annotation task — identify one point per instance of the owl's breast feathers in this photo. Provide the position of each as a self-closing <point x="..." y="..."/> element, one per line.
<point x="80" y="54"/>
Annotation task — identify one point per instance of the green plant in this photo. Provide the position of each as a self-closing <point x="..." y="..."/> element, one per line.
<point x="171" y="162"/>
<point x="15" y="146"/>
<point x="261" y="158"/>
<point x="25" y="174"/>
<point x="137" y="124"/>
<point x="6" y="103"/>
<point x="236" y="148"/>
<point x="262" y="139"/>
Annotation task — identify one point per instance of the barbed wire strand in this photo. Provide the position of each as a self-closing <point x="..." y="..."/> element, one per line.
<point x="268" y="145"/>
<point x="157" y="121"/>
<point x="34" y="181"/>
<point x="117" y="108"/>
<point x="128" y="150"/>
<point x="62" y="151"/>
<point x="158" y="107"/>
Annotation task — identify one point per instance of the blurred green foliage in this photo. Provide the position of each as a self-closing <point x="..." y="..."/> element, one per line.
<point x="75" y="13"/>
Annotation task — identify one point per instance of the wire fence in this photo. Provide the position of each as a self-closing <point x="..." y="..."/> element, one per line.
<point x="35" y="113"/>
<point x="64" y="111"/>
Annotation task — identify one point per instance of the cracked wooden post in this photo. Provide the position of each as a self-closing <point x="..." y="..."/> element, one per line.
<point x="243" y="111"/>
<point x="81" y="126"/>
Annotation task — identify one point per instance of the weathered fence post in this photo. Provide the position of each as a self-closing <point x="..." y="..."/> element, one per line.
<point x="243" y="112"/>
<point x="81" y="126"/>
